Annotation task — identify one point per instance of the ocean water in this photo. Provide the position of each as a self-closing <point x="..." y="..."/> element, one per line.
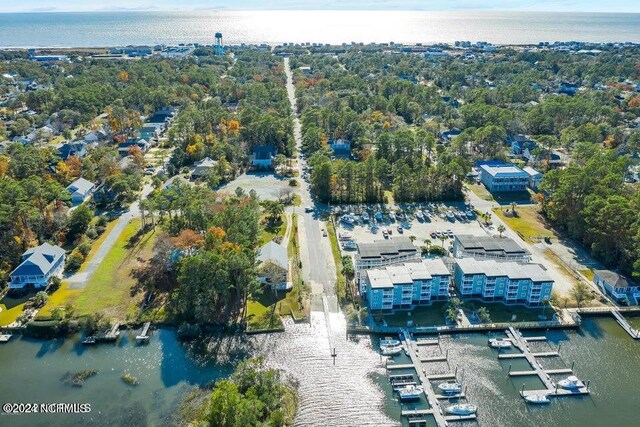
<point x="273" y="27"/>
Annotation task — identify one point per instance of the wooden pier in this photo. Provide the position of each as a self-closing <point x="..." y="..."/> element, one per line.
<point x="144" y="335"/>
<point x="417" y="416"/>
<point x="522" y="355"/>
<point x="396" y="366"/>
<point x="434" y="359"/>
<point x="421" y="342"/>
<point x="551" y="389"/>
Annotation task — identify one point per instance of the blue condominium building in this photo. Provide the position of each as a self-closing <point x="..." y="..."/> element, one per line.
<point x="505" y="281"/>
<point x="502" y="177"/>
<point x="407" y="285"/>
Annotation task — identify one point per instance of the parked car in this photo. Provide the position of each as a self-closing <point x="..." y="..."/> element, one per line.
<point x="309" y="209"/>
<point x="400" y="230"/>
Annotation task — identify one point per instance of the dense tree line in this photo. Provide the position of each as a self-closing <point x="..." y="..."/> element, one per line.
<point x="595" y="206"/>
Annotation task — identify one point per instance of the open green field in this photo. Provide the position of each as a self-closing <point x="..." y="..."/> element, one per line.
<point x="111" y="289"/>
<point x="527" y="224"/>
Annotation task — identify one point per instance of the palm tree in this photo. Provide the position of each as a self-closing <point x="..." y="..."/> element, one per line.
<point x="501" y="229"/>
<point x="427" y="242"/>
<point x="513" y="208"/>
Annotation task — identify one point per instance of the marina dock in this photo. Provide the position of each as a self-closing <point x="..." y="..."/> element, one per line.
<point x="417" y="416"/>
<point x="522" y="355"/>
<point x="110" y="334"/>
<point x="144" y="335"/>
<point x="551" y="388"/>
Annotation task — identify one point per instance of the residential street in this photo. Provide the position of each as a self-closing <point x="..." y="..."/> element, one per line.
<point x="318" y="268"/>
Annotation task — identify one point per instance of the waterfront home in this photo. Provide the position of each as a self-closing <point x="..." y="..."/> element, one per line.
<point x="489" y="247"/>
<point x="273" y="269"/>
<point x="262" y="156"/>
<point x="381" y="253"/>
<point x="203" y="168"/>
<point x="80" y="189"/>
<point x="73" y="149"/>
<point x="405" y="286"/>
<point x="535" y="177"/>
<point x="505" y="281"/>
<point x="38" y="266"/>
<point x="617" y="286"/>
<point x="503" y="177"/>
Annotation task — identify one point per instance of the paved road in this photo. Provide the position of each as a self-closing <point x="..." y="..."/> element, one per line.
<point x="318" y="267"/>
<point x="80" y="279"/>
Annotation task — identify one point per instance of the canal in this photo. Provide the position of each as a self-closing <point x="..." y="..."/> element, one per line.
<point x="354" y="391"/>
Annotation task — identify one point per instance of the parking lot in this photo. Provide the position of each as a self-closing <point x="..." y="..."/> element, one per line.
<point x="412" y="223"/>
<point x="266" y="184"/>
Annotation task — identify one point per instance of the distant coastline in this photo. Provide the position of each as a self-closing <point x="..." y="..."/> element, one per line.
<point x="121" y="28"/>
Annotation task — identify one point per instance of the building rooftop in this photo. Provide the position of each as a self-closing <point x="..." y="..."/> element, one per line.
<point x="614" y="279"/>
<point x="512" y="270"/>
<point x="81" y="185"/>
<point x="395" y="246"/>
<point x="495" y="246"/>
<point x="407" y="273"/>
<point x="505" y="168"/>
<point x="39" y="260"/>
<point x="531" y="171"/>
<point x="274" y="253"/>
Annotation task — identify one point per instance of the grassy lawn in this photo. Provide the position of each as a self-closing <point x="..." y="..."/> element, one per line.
<point x="110" y="289"/>
<point x="588" y="273"/>
<point x="432" y="315"/>
<point x="526" y="224"/>
<point x="480" y="191"/>
<point x="12" y="308"/>
<point x="95" y="245"/>
<point x="262" y="311"/>
<point x="341" y="283"/>
<point x="505" y="313"/>
<point x="274" y="230"/>
<point x="297" y="200"/>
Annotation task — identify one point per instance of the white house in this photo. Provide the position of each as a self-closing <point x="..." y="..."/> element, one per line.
<point x="535" y="177"/>
<point x="274" y="266"/>
<point x="80" y="190"/>
<point x="38" y="265"/>
<point x="616" y="285"/>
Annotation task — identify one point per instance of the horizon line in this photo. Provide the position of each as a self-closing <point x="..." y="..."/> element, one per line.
<point x="475" y="10"/>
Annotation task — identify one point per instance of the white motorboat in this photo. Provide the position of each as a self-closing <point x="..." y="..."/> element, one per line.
<point x="571" y="383"/>
<point x="348" y="219"/>
<point x="450" y="387"/>
<point x="537" y="399"/>
<point x="500" y="343"/>
<point x="391" y="350"/>
<point x="410" y="392"/>
<point x="462" y="409"/>
<point x="389" y="342"/>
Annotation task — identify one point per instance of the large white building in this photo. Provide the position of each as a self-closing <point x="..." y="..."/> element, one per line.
<point x="505" y="281"/>
<point x="38" y="265"/>
<point x="405" y="286"/>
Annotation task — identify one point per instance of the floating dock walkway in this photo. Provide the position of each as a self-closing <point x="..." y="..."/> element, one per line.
<point x="552" y="389"/>
<point x="417" y="416"/>
<point x="144" y="335"/>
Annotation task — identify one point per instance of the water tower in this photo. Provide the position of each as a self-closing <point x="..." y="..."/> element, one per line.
<point x="219" y="47"/>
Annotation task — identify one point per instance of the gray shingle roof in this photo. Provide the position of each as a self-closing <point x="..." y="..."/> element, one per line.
<point x="614" y="279"/>
<point x="38" y="260"/>
<point x="387" y="248"/>
<point x="492" y="245"/>
<point x="80" y="185"/>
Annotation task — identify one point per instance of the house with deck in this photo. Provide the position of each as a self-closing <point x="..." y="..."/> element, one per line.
<point x="38" y="266"/>
<point x="617" y="286"/>
<point x="509" y="282"/>
<point x="405" y="286"/>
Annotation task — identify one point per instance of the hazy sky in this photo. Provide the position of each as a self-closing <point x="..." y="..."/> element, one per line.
<point x="115" y="5"/>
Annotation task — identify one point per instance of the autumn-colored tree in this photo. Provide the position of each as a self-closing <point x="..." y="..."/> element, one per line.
<point x="123" y="76"/>
<point x="75" y="166"/>
<point x="188" y="240"/>
<point x="4" y="166"/>
<point x="136" y="153"/>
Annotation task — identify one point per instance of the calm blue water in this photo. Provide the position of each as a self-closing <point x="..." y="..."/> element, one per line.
<point x="124" y="28"/>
